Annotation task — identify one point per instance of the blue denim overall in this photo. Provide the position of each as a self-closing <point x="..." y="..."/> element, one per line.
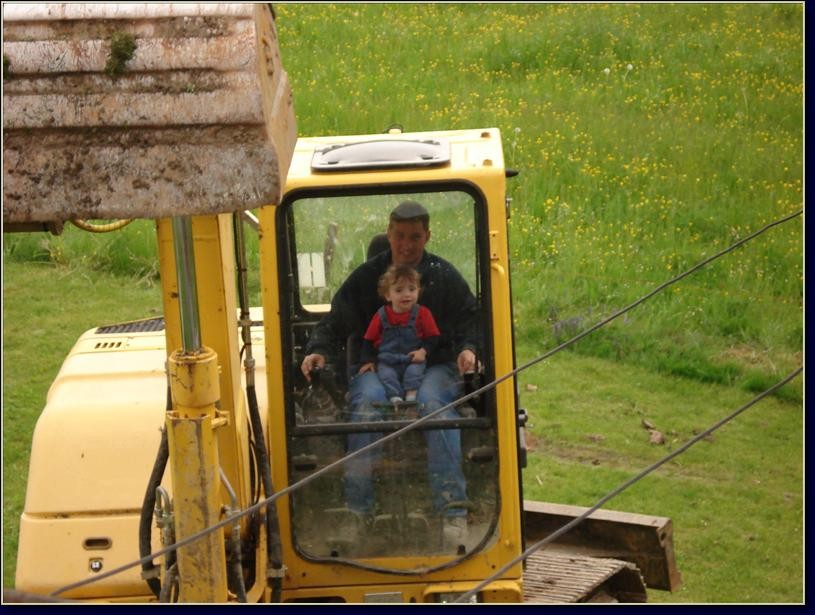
<point x="396" y="371"/>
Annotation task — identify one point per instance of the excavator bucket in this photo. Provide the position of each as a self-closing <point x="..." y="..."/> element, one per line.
<point x="115" y="111"/>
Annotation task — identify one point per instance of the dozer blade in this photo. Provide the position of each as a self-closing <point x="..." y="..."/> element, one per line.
<point x="643" y="540"/>
<point x="115" y="111"/>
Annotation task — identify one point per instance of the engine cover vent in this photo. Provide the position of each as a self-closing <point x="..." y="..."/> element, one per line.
<point x="137" y="326"/>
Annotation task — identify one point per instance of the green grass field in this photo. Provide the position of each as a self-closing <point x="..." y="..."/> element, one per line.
<point x="648" y="137"/>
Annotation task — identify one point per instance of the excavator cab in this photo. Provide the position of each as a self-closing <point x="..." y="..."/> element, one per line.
<point x="331" y="219"/>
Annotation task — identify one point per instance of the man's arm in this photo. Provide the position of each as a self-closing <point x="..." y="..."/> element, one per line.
<point x="354" y="301"/>
<point x="367" y="353"/>
<point x="454" y="308"/>
<point x="326" y="338"/>
<point x="465" y="332"/>
<point x="342" y="319"/>
<point x="429" y="343"/>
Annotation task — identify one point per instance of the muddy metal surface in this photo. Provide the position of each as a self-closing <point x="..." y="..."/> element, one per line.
<point x="198" y="121"/>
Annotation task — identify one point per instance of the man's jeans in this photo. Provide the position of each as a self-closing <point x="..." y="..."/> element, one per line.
<point x="441" y="385"/>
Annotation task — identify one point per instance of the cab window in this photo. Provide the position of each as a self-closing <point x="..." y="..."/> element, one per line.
<point x="328" y="235"/>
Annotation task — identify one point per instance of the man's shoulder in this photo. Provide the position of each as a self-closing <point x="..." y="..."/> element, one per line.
<point x="435" y="260"/>
<point x="370" y="268"/>
<point x="435" y="264"/>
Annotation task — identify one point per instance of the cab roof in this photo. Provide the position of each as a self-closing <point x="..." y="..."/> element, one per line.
<point x="435" y="155"/>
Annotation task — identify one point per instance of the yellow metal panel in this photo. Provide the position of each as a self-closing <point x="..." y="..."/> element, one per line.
<point x="71" y="561"/>
<point x="493" y="187"/>
<point x="505" y="591"/>
<point x="97" y="437"/>
<point x="269" y="375"/>
<point x="111" y="387"/>
<point x="497" y="591"/>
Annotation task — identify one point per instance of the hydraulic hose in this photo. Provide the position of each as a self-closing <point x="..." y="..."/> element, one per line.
<point x="235" y="569"/>
<point x="273" y="547"/>
<point x="149" y="569"/>
<point x="274" y="551"/>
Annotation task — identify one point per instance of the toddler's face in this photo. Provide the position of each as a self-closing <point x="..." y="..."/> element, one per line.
<point x="403" y="295"/>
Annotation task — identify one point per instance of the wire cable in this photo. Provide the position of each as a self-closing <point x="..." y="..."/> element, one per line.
<point x="420" y="421"/>
<point x="562" y="530"/>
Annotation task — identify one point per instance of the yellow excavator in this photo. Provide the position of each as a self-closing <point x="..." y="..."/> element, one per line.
<point x="186" y="458"/>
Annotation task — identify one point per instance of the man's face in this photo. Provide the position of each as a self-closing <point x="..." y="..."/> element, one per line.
<point x="407" y="241"/>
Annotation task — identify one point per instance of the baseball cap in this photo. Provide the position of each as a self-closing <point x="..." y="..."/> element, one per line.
<point x="409" y="210"/>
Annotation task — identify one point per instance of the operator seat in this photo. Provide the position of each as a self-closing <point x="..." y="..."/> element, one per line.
<point x="379" y="243"/>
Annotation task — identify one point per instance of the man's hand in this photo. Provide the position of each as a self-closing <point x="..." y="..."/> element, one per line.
<point x="466" y="361"/>
<point x="418" y="356"/>
<point x="367" y="367"/>
<point x="312" y="362"/>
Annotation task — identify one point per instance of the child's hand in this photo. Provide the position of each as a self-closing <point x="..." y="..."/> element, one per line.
<point x="418" y="356"/>
<point x="367" y="367"/>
